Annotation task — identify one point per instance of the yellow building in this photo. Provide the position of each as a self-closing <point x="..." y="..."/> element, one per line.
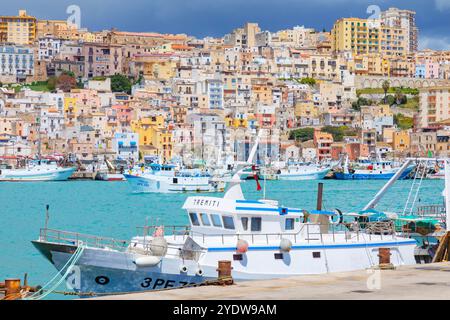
<point x="54" y="27"/>
<point x="154" y="137"/>
<point x="19" y="29"/>
<point x="306" y="110"/>
<point x="401" y="141"/>
<point x="236" y="122"/>
<point x="363" y="36"/>
<point x="70" y="109"/>
<point x="370" y="64"/>
<point x="160" y="70"/>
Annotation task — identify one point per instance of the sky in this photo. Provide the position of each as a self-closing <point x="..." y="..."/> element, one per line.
<point x="216" y="18"/>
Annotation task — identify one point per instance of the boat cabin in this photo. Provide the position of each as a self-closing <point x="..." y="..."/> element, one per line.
<point x="214" y="216"/>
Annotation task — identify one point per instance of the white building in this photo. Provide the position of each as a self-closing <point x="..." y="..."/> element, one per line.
<point x="126" y="146"/>
<point x="16" y="63"/>
<point x="49" y="47"/>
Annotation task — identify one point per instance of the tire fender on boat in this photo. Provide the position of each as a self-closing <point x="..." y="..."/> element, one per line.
<point x="339" y="220"/>
<point x="285" y="245"/>
<point x="242" y="246"/>
<point x="147" y="261"/>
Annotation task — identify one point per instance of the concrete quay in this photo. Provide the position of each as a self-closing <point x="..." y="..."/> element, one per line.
<point x="425" y="281"/>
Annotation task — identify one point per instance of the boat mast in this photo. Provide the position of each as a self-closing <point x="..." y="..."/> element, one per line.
<point x="447" y="193"/>
<point x="38" y="119"/>
<point x="386" y="187"/>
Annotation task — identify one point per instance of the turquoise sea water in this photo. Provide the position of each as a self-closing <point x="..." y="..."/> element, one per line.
<point x="110" y="209"/>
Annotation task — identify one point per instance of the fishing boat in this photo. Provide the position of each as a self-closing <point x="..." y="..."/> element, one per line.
<point x="303" y="171"/>
<point x="168" y="179"/>
<point x="36" y="170"/>
<point x="425" y="224"/>
<point x="262" y="239"/>
<point x="370" y="170"/>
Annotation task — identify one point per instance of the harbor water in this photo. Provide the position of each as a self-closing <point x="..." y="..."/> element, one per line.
<point x="110" y="209"/>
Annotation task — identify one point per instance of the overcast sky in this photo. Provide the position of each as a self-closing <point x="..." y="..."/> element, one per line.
<point x="218" y="17"/>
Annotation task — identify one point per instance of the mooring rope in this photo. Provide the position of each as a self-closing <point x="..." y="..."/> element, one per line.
<point x="44" y="292"/>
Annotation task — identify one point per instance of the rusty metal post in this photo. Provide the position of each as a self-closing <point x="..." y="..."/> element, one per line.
<point x="224" y="272"/>
<point x="384" y="255"/>
<point x="319" y="196"/>
<point x="12" y="288"/>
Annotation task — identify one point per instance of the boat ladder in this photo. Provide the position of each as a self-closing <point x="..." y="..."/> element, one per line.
<point x="421" y="170"/>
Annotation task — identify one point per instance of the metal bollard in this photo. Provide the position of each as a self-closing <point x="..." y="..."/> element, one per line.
<point x="12" y="287"/>
<point x="224" y="272"/>
<point x="384" y="255"/>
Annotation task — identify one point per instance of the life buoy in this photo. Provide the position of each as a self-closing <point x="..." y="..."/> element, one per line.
<point x="339" y="220"/>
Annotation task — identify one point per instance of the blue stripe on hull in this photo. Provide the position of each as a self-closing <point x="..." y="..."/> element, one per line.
<point x="321" y="247"/>
<point x="361" y="176"/>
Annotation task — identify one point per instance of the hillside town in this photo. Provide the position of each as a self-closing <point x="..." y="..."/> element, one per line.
<point x="362" y="89"/>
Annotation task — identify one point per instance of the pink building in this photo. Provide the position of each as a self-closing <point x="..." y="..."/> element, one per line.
<point x="124" y="114"/>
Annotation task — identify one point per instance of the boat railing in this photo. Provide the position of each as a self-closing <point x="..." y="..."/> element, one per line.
<point x="309" y="232"/>
<point x="74" y="238"/>
<point x="436" y="211"/>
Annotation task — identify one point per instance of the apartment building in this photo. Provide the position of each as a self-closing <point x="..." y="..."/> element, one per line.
<point x="434" y="105"/>
<point x="20" y="29"/>
<point x="17" y="63"/>
<point x="363" y="36"/>
<point x="406" y="19"/>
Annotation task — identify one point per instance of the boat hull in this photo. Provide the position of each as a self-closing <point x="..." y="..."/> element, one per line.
<point x="161" y="184"/>
<point x="370" y="175"/>
<point x="60" y="174"/>
<point x="109" y="271"/>
<point x="319" y="175"/>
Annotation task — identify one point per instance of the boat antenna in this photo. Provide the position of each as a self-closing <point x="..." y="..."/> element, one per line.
<point x="47" y="215"/>
<point x="265" y="170"/>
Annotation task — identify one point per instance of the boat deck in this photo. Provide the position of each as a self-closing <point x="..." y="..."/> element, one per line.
<point x="428" y="281"/>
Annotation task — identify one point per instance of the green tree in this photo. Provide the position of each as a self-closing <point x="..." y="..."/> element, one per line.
<point x="120" y="83"/>
<point x="302" y="134"/>
<point x="403" y="122"/>
<point x="308" y="81"/>
<point x="386" y="85"/>
<point x="51" y="83"/>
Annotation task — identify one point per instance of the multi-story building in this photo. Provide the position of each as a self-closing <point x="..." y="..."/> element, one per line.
<point x="102" y="59"/>
<point x="19" y="29"/>
<point x="405" y="19"/>
<point x="323" y="142"/>
<point x="49" y="47"/>
<point x="243" y="37"/>
<point x="17" y="63"/>
<point x="434" y="105"/>
<point x="126" y="146"/>
<point x="363" y="36"/>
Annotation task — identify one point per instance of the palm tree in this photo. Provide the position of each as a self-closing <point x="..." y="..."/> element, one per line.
<point x="386" y="86"/>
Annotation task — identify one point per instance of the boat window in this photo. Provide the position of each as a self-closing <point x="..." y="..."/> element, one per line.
<point x="194" y="219"/>
<point x="205" y="219"/>
<point x="256" y="224"/>
<point x="216" y="220"/>
<point x="244" y="221"/>
<point x="289" y="225"/>
<point x="228" y="222"/>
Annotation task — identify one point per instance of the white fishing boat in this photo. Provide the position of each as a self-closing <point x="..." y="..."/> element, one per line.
<point x="36" y="170"/>
<point x="303" y="171"/>
<point x="168" y="179"/>
<point x="261" y="238"/>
